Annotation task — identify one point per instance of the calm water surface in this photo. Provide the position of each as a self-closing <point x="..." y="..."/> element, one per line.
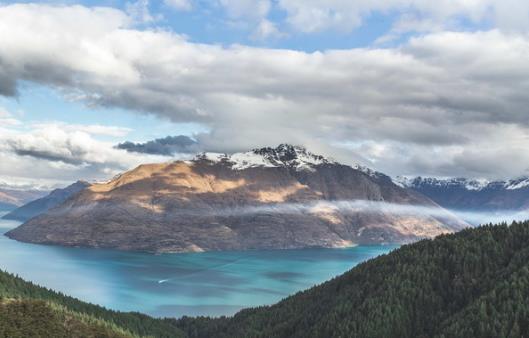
<point x="213" y="283"/>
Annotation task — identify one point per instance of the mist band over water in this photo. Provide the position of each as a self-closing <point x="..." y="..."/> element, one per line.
<point x="366" y="206"/>
<point x="349" y="207"/>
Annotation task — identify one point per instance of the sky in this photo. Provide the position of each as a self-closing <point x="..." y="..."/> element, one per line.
<point x="89" y="89"/>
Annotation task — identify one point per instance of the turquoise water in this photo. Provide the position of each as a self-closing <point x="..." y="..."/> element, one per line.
<point x="213" y="283"/>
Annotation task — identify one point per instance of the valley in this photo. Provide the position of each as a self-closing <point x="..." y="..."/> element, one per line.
<point x="173" y="285"/>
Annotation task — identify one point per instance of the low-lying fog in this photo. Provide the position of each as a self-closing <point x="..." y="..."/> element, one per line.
<point x="358" y="206"/>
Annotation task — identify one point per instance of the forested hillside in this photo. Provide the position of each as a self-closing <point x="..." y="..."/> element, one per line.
<point x="27" y="310"/>
<point x="471" y="284"/>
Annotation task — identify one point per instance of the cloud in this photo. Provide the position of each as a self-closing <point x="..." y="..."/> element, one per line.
<point x="254" y="14"/>
<point x="246" y="9"/>
<point x="62" y="152"/>
<point x="167" y="146"/>
<point x="182" y="5"/>
<point x="310" y="16"/>
<point x="139" y="12"/>
<point x="438" y="104"/>
<point x="7" y="119"/>
<point x="267" y="29"/>
<point x="352" y="207"/>
<point x="53" y="143"/>
<point x="92" y="129"/>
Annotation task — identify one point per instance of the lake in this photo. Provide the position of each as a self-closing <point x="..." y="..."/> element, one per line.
<point x="172" y="285"/>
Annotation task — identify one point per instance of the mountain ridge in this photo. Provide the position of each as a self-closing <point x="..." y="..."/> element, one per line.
<point x="13" y="198"/>
<point x="43" y="204"/>
<point x="473" y="195"/>
<point x="181" y="206"/>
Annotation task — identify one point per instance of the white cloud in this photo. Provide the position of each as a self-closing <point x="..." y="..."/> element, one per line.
<point x="246" y="9"/>
<point x="64" y="152"/>
<point x="253" y="13"/>
<point x="7" y="119"/>
<point x="344" y="15"/>
<point x="92" y="129"/>
<point x="266" y="29"/>
<point x="425" y="107"/>
<point x="139" y="12"/>
<point x="182" y="5"/>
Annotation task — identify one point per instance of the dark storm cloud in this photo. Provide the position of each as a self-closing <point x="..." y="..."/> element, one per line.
<point x="166" y="146"/>
<point x="48" y="156"/>
<point x="8" y="86"/>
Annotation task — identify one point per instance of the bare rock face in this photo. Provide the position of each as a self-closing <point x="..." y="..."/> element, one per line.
<point x="284" y="197"/>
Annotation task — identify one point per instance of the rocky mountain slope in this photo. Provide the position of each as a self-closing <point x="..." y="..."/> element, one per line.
<point x="473" y="195"/>
<point x="284" y="197"/>
<point x="43" y="204"/>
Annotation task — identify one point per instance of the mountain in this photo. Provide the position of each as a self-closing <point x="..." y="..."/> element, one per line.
<point x="269" y="198"/>
<point x="43" y="204"/>
<point x="11" y="198"/>
<point x="471" y="284"/>
<point x="473" y="195"/>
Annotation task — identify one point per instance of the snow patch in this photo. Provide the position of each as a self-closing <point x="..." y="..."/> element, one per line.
<point x="249" y="159"/>
<point x="284" y="155"/>
<point x="212" y="157"/>
<point x="373" y="173"/>
<point x="468" y="184"/>
<point x="517" y="184"/>
<point x="477" y="185"/>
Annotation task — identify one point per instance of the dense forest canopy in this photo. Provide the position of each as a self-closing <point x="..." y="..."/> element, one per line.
<point x="27" y="310"/>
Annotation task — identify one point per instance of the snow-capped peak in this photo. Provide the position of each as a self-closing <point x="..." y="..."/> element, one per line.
<point x="284" y="155"/>
<point x="373" y="173"/>
<point x="468" y="184"/>
<point x="517" y="184"/>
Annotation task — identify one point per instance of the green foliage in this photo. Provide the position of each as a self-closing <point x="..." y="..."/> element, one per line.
<point x="127" y="324"/>
<point x="36" y="318"/>
<point x="471" y="284"/>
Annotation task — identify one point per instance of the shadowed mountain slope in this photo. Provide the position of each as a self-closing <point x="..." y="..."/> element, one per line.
<point x="41" y="205"/>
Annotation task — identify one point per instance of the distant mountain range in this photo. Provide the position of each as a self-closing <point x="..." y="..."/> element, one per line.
<point x="284" y="197"/>
<point x="472" y="195"/>
<point x="13" y="198"/>
<point x="42" y="205"/>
